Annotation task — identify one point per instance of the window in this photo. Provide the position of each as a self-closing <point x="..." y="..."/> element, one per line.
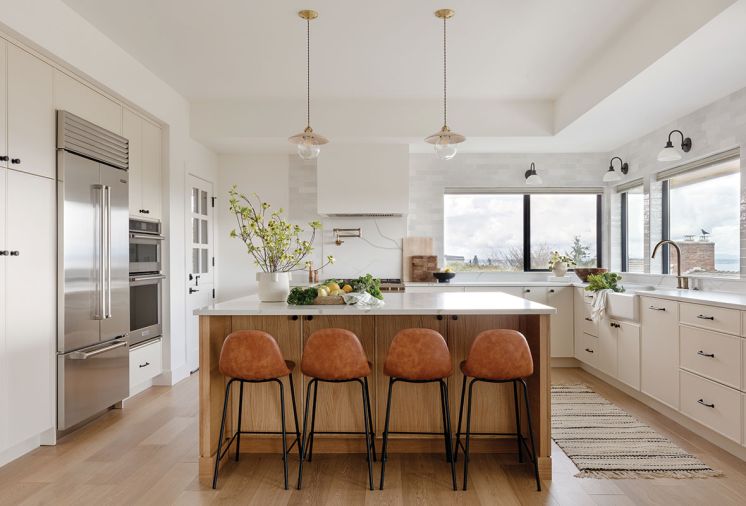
<point x="494" y="231"/>
<point x="702" y="215"/>
<point x="632" y="201"/>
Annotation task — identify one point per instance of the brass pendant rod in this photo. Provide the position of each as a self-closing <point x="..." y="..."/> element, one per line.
<point x="445" y="76"/>
<point x="308" y="73"/>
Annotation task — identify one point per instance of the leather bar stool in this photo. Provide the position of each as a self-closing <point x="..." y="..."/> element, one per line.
<point x="335" y="356"/>
<point x="253" y="356"/>
<point x="498" y="356"/>
<point x="419" y="356"/>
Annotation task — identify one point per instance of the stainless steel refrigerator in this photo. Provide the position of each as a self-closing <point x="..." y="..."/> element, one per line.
<point x="93" y="282"/>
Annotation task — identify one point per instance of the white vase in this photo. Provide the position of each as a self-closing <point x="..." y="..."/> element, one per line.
<point x="273" y="286"/>
<point x="560" y="269"/>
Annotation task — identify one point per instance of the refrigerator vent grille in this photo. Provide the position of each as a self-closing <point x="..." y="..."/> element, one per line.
<point x="84" y="138"/>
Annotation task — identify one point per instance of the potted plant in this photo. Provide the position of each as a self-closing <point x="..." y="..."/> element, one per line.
<point x="560" y="263"/>
<point x="277" y="246"/>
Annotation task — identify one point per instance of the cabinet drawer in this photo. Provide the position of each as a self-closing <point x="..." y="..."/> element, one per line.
<point x="713" y="405"/>
<point x="659" y="308"/>
<point x="711" y="354"/>
<point x="710" y="317"/>
<point x="589" y="350"/>
<point x="589" y="326"/>
<point x="145" y="362"/>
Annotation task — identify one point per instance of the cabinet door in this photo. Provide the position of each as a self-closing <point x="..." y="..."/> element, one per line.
<point x="4" y="378"/>
<point x="151" y="170"/>
<point x="535" y="293"/>
<point x="579" y="314"/>
<point x="132" y="130"/>
<point x="30" y="304"/>
<point x="561" y="324"/>
<point x="31" y="115"/>
<point x="607" y="347"/>
<point x="628" y="341"/>
<point x="659" y="350"/>
<point x="74" y="96"/>
<point x="3" y="104"/>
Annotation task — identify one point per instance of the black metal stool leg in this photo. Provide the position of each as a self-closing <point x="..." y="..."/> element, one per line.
<point x="284" y="436"/>
<point x="531" y="437"/>
<point x="220" y="437"/>
<point x="460" y="415"/>
<point x="468" y="434"/>
<point x="384" y="455"/>
<point x="303" y="435"/>
<point x="367" y="433"/>
<point x="313" y="422"/>
<point x="370" y="420"/>
<point x="240" y="413"/>
<point x="518" y="435"/>
<point x="449" y="455"/>
<point x="447" y="430"/>
<point x="295" y="411"/>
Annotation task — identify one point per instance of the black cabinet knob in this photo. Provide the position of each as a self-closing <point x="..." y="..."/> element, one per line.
<point x="294" y="317"/>
<point x="145" y="211"/>
<point x="15" y="253"/>
<point x="454" y="317"/>
<point x="309" y="318"/>
<point x="4" y="158"/>
<point x="15" y="160"/>
<point x="439" y="317"/>
<point x="4" y="253"/>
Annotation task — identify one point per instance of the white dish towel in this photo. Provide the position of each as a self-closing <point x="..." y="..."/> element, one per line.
<point x="598" y="306"/>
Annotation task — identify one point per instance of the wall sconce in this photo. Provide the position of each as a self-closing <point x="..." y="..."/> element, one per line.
<point x="612" y="175"/>
<point x="669" y="153"/>
<point x="532" y="178"/>
<point x="339" y="233"/>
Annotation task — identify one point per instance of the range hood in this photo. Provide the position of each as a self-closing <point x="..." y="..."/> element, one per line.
<point x="363" y="180"/>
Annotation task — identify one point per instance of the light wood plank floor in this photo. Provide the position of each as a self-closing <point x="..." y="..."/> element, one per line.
<point x="147" y="454"/>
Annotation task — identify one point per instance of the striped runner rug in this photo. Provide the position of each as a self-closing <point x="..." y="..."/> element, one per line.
<point x="604" y="441"/>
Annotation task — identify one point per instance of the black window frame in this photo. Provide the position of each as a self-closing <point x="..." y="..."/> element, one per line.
<point x="527" y="225"/>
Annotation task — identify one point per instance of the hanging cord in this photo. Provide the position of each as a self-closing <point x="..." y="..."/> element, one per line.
<point x="445" y="66"/>
<point x="308" y="73"/>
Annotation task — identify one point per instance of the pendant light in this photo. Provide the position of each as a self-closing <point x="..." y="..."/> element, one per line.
<point x="612" y="175"/>
<point x="532" y="178"/>
<point x="308" y="142"/>
<point x="669" y="153"/>
<point x="445" y="140"/>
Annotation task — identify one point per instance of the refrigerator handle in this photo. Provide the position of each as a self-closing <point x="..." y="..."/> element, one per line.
<point x="83" y="355"/>
<point x="101" y="283"/>
<point x="107" y="195"/>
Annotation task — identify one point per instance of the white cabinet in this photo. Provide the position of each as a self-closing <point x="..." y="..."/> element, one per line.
<point x="30" y="113"/>
<point x="535" y="293"/>
<point x="607" y="347"/>
<point x="4" y="380"/>
<point x="711" y="404"/>
<point x="561" y="324"/>
<point x="145" y="165"/>
<point x="628" y="341"/>
<point x="81" y="100"/>
<point x="28" y="295"/>
<point x="145" y="364"/>
<point x="710" y="354"/>
<point x="659" y="350"/>
<point x="711" y="318"/>
<point x="588" y="350"/>
<point x="4" y="158"/>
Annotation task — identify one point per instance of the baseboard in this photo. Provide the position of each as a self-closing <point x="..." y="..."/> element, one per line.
<point x="142" y="387"/>
<point x="172" y="376"/>
<point x="20" y="449"/>
<point x="710" y="435"/>
<point x="565" y="362"/>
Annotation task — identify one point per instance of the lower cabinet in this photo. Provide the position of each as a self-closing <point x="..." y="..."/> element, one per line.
<point x="607" y="347"/>
<point x="712" y="404"/>
<point x="628" y="351"/>
<point x="561" y="324"/>
<point x="589" y="350"/>
<point x="146" y="363"/>
<point x="659" y="350"/>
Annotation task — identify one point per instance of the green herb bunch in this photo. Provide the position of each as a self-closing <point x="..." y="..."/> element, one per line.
<point x="604" y="281"/>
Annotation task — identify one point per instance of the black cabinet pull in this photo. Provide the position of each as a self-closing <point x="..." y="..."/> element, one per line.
<point x="15" y="160"/>
<point x="703" y="317"/>
<point x="527" y="290"/>
<point x="703" y="354"/>
<point x="588" y="319"/>
<point x="439" y="317"/>
<point x="4" y="158"/>
<point x="294" y="317"/>
<point x="309" y="318"/>
<point x="145" y="211"/>
<point x="454" y="317"/>
<point x="15" y="253"/>
<point x="192" y="290"/>
<point x="656" y="308"/>
<point x="702" y="402"/>
<point x="551" y="290"/>
<point x="4" y="253"/>
<point x="146" y="364"/>
<point x="589" y="350"/>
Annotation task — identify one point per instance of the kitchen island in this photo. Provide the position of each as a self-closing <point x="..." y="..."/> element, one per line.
<point x="459" y="317"/>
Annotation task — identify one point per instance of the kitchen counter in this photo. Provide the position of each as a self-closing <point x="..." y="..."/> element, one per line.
<point x="492" y="283"/>
<point x="459" y="317"/>
<point x="720" y="299"/>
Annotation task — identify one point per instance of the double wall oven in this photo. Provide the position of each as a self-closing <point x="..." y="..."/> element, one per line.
<point x="146" y="280"/>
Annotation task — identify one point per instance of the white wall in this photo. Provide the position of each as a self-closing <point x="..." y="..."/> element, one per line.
<point x="57" y="31"/>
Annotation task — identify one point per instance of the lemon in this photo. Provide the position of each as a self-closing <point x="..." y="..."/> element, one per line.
<point x="347" y="288"/>
<point x="332" y="287"/>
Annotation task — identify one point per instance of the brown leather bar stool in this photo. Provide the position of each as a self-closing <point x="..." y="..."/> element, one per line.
<point x="335" y="356"/>
<point x="498" y="356"/>
<point x="253" y="356"/>
<point x="419" y="356"/>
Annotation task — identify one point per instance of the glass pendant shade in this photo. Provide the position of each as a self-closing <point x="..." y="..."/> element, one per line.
<point x="308" y="143"/>
<point x="669" y="154"/>
<point x="611" y="176"/>
<point x="445" y="142"/>
<point x="533" y="180"/>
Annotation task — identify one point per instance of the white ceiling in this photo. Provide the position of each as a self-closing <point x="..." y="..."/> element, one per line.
<point x="382" y="49"/>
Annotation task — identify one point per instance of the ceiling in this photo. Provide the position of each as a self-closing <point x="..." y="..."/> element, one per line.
<point x="523" y="76"/>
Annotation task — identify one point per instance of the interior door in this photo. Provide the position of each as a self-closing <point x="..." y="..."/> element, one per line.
<point x="4" y="158"/>
<point x="4" y="379"/>
<point x="200" y="264"/>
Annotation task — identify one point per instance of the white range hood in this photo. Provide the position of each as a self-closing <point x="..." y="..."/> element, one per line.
<point x="363" y="180"/>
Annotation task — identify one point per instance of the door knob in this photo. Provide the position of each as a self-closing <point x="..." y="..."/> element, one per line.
<point x="4" y="253"/>
<point x="15" y="253"/>
<point x="4" y="158"/>
<point x="192" y="290"/>
<point x="15" y="160"/>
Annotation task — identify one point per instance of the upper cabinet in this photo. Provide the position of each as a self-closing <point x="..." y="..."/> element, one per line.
<point x="4" y="157"/>
<point x="30" y="113"/>
<point x="74" y="96"/>
<point x="363" y="179"/>
<point x="145" y="165"/>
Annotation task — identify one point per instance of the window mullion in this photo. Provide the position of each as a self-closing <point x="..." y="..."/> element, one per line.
<point x="526" y="232"/>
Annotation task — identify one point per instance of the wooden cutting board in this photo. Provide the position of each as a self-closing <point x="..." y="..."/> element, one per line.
<point x="414" y="246"/>
<point x="423" y="267"/>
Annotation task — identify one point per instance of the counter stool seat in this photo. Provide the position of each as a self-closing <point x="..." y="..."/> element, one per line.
<point x="253" y="356"/>
<point x="419" y="355"/>
<point x="335" y="356"/>
<point x="498" y="356"/>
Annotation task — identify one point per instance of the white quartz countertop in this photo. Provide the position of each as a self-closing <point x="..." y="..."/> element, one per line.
<point x="494" y="303"/>
<point x="720" y="299"/>
<point x="491" y="283"/>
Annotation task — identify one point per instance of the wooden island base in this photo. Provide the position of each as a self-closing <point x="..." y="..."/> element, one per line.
<point x="414" y="407"/>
